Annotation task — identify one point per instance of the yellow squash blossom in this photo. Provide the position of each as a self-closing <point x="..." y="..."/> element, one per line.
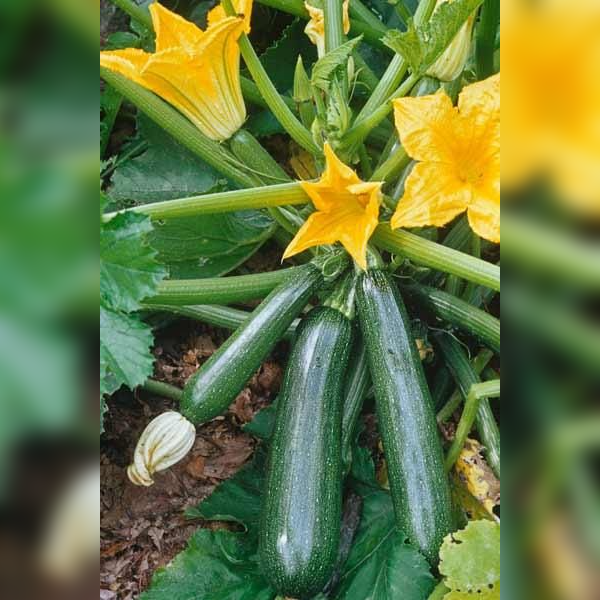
<point x="347" y="211"/>
<point x="315" y="30"/>
<point x="196" y="71"/>
<point x="458" y="150"/>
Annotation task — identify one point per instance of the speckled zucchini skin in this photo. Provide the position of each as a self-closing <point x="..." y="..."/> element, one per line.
<point x="222" y="377"/>
<point x="302" y="501"/>
<point x="413" y="451"/>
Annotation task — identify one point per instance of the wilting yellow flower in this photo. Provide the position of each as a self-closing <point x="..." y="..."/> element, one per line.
<point x="551" y="123"/>
<point x="315" y="30"/>
<point x="196" y="71"/>
<point x="347" y="211"/>
<point x="452" y="62"/>
<point x="459" y="154"/>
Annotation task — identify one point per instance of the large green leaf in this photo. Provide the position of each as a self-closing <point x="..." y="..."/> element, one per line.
<point x="166" y="170"/>
<point x="470" y="561"/>
<point x="125" y="356"/>
<point x="210" y="245"/>
<point x="422" y="46"/>
<point x="216" y="565"/>
<point x="128" y="269"/>
<point x="381" y="566"/>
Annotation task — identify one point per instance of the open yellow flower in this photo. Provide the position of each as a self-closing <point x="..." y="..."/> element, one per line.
<point x="196" y="71"/>
<point x="315" y="30"/>
<point x="347" y="211"/>
<point x="459" y="154"/>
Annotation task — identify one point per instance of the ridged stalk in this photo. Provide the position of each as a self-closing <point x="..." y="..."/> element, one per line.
<point x="220" y="290"/>
<point x="436" y="256"/>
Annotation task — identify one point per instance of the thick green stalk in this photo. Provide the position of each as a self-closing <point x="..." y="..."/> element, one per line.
<point x="459" y="313"/>
<point x="218" y="316"/>
<point x="256" y="198"/>
<point x="436" y="256"/>
<point x="465" y="378"/>
<point x="160" y="388"/>
<point x="478" y="392"/>
<point x="480" y="365"/>
<point x="176" y="125"/>
<point x="485" y="38"/>
<point x="397" y="161"/>
<point x="361" y="12"/>
<point x="220" y="290"/>
<point x="334" y="25"/>
<point x="439" y="592"/>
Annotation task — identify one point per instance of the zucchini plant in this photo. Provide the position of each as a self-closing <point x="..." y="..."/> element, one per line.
<point x="371" y="169"/>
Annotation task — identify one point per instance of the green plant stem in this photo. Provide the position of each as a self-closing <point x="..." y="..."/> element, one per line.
<point x="485" y="38"/>
<point x="437" y="256"/>
<point x="361" y="129"/>
<point x="135" y="11"/>
<point x="478" y="391"/>
<point x="160" y="388"/>
<point x="395" y="71"/>
<point x="465" y="378"/>
<point x="361" y="12"/>
<point x="221" y="202"/>
<point x="220" y="290"/>
<point x="457" y="312"/>
<point x="371" y="34"/>
<point x="334" y="26"/>
<point x="218" y="316"/>
<point x="479" y="365"/>
<point x="176" y="125"/>
<point x="397" y="161"/>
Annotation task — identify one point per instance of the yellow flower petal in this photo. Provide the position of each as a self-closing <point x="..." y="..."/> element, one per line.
<point x="242" y="7"/>
<point x="347" y="211"/>
<point x="484" y="218"/>
<point x="129" y="62"/>
<point x="459" y="150"/>
<point x="195" y="71"/>
<point x="426" y="126"/>
<point x="173" y="31"/>
<point x="432" y="196"/>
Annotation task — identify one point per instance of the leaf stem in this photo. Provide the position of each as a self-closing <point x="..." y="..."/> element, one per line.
<point x="221" y="202"/>
<point x="478" y="391"/>
<point x="334" y="24"/>
<point x="436" y="256"/>
<point x="219" y="290"/>
<point x="160" y="388"/>
<point x="397" y="161"/>
<point x="218" y="316"/>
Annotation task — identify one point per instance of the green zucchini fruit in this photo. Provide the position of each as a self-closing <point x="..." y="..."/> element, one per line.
<point x="413" y="451"/>
<point x="222" y="377"/>
<point x="301" y="513"/>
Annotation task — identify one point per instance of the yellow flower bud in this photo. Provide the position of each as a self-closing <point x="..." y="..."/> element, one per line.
<point x="452" y="61"/>
<point x="164" y="442"/>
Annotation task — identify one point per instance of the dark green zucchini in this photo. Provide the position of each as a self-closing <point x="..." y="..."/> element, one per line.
<point x="300" y="526"/>
<point x="413" y="450"/>
<point x="222" y="377"/>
